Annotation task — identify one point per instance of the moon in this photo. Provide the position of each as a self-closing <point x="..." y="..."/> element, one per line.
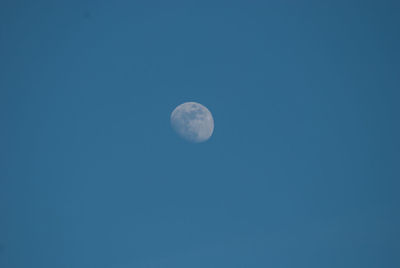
<point x="193" y="122"/>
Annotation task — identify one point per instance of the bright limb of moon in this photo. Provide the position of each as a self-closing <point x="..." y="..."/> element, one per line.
<point x="192" y="121"/>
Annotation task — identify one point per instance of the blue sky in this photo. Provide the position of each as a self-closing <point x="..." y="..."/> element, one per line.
<point x="302" y="169"/>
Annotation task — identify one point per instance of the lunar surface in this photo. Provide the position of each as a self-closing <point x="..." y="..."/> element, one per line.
<point x="193" y="122"/>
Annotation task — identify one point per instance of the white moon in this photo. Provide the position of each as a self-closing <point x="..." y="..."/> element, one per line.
<point x="192" y="121"/>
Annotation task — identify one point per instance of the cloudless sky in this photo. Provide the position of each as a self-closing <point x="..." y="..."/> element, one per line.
<point x="302" y="170"/>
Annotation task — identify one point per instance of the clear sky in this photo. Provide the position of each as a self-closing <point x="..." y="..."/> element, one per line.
<point x="302" y="170"/>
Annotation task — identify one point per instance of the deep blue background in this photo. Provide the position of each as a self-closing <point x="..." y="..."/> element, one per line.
<point x="302" y="170"/>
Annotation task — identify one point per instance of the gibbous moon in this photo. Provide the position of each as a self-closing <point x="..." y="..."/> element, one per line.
<point x="192" y="121"/>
